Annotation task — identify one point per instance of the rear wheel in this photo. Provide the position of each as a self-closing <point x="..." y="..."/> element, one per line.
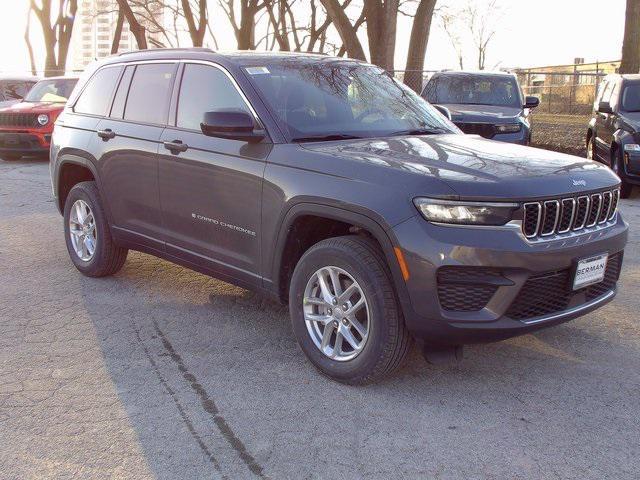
<point x="345" y="313"/>
<point x="88" y="235"/>
<point x="617" y="165"/>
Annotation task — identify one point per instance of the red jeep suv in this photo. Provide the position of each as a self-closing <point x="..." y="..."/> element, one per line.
<point x="26" y="126"/>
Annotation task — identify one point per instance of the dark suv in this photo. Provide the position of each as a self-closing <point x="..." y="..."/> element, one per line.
<point x="613" y="136"/>
<point x="327" y="184"/>
<point x="487" y="104"/>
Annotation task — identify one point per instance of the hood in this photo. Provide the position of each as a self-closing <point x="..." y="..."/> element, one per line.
<point x="33" y="107"/>
<point x="475" y="168"/>
<point x="482" y="113"/>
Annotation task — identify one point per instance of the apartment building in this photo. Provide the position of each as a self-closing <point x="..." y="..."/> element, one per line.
<point x="96" y="24"/>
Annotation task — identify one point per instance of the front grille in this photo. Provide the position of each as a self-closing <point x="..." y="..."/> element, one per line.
<point x="552" y="292"/>
<point x="27" y="120"/>
<point x="485" y="130"/>
<point x="553" y="217"/>
<point x="467" y="289"/>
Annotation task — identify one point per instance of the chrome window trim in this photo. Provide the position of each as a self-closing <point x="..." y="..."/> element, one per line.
<point x="186" y="61"/>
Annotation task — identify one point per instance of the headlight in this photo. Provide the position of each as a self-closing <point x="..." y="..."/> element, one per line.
<point x="632" y="147"/>
<point x="509" y="128"/>
<point x="465" y="213"/>
<point x="43" y="119"/>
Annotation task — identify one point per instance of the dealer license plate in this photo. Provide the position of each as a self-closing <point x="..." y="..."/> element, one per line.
<point x="590" y="270"/>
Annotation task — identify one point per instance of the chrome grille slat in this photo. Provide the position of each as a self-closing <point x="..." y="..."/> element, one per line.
<point x="570" y="214"/>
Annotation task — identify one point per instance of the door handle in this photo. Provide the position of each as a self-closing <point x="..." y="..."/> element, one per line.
<point x="106" y="134"/>
<point x="176" y="146"/>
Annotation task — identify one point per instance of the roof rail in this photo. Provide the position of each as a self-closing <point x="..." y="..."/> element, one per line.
<point x="184" y="49"/>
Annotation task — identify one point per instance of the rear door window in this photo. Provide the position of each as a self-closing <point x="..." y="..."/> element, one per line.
<point x="150" y="93"/>
<point x="117" y="110"/>
<point x="95" y="98"/>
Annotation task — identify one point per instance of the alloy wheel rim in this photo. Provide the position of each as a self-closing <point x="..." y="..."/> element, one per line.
<point x="82" y="230"/>
<point x="336" y="314"/>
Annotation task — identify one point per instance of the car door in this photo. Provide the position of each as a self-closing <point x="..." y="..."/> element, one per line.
<point x="126" y="145"/>
<point x="210" y="188"/>
<point x="602" y="121"/>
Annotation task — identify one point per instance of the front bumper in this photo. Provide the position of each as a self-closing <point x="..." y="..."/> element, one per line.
<point x="24" y="143"/>
<point x="499" y="268"/>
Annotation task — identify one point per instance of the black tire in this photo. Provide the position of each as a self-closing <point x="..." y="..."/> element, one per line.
<point x="591" y="143"/>
<point x="388" y="341"/>
<point x="617" y="165"/>
<point x="108" y="258"/>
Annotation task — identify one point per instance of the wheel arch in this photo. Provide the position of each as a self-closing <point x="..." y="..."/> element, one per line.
<point x="62" y="183"/>
<point x="358" y="222"/>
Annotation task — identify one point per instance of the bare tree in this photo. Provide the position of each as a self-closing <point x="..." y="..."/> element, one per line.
<point x="631" y="42"/>
<point x="117" y="34"/>
<point x="481" y="21"/>
<point x="382" y="19"/>
<point x="136" y="28"/>
<point x="27" y="39"/>
<point x="418" y="44"/>
<point x="245" y="27"/>
<point x="347" y="31"/>
<point x="450" y="25"/>
<point x="57" y="36"/>
<point x="197" y="27"/>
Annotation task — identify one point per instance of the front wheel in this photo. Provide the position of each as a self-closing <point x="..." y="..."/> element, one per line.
<point x="88" y="235"/>
<point x="590" y="149"/>
<point x="345" y="313"/>
<point x="617" y="165"/>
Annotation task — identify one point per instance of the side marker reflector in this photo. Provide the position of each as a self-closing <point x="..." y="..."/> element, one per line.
<point x="403" y="265"/>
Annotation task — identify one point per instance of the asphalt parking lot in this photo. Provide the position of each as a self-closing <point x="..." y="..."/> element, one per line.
<point x="163" y="372"/>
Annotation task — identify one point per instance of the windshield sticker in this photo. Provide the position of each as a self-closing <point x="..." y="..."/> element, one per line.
<point x="257" y="70"/>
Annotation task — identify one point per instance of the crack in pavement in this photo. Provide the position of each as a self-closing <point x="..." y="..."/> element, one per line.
<point x="179" y="406"/>
<point x="210" y="407"/>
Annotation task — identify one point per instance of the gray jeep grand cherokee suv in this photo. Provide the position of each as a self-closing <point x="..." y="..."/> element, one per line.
<point x="327" y="184"/>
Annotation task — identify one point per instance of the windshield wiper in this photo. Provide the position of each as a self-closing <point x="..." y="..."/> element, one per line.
<point x="419" y="131"/>
<point x="320" y="138"/>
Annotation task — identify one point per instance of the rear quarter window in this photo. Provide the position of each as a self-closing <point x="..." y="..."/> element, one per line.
<point x="95" y="98"/>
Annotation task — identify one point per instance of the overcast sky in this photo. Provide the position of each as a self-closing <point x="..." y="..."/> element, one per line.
<point x="528" y="33"/>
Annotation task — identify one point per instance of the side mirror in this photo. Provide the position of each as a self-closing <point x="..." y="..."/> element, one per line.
<point x="531" y="102"/>
<point x="444" y="111"/>
<point x="232" y="124"/>
<point x="605" y="107"/>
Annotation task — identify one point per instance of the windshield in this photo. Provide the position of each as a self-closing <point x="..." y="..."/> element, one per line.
<point x="473" y="89"/>
<point x="341" y="99"/>
<point x="631" y="97"/>
<point x="55" y="91"/>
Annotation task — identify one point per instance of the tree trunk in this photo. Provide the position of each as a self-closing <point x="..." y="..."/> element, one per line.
<point x="382" y="19"/>
<point x="418" y="44"/>
<point x="27" y="39"/>
<point x="135" y="27"/>
<point x="347" y="32"/>
<point x="631" y="43"/>
<point x="198" y="31"/>
<point x="117" y="34"/>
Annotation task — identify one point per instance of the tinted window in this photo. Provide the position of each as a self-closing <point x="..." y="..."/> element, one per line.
<point x="117" y="110"/>
<point x="472" y="89"/>
<point x="96" y="96"/>
<point x="149" y="94"/>
<point x="54" y="91"/>
<point x="204" y="89"/>
<point x="631" y="97"/>
<point x="14" y="90"/>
